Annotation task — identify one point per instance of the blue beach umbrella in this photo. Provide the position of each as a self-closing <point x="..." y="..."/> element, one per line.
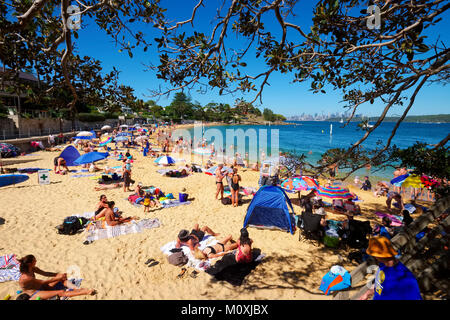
<point x="124" y="134"/>
<point x="91" y="157"/>
<point x="121" y="139"/>
<point x="165" y="160"/>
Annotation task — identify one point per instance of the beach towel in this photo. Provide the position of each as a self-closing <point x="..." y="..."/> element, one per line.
<point x="336" y="279"/>
<point x="96" y="231"/>
<point x="396" y="220"/>
<point x="407" y="206"/>
<point x="173" y="203"/>
<point x="198" y="264"/>
<point x="9" y="268"/>
<point x="227" y="269"/>
<point x="83" y="175"/>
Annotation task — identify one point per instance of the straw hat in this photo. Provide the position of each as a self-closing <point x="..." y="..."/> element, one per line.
<point x="381" y="247"/>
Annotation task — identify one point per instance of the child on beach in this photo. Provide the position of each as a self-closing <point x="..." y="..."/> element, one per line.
<point x="148" y="202"/>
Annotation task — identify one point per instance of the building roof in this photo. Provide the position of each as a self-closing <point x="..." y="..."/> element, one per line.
<point x="22" y="75"/>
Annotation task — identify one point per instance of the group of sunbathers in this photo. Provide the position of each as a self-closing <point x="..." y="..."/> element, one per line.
<point x="243" y="245"/>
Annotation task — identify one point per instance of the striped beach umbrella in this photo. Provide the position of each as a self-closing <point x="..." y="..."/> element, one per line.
<point x="165" y="160"/>
<point x="333" y="192"/>
<point x="143" y="130"/>
<point x="105" y="140"/>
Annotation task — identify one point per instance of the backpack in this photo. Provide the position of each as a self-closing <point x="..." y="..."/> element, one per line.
<point x="178" y="258"/>
<point x="71" y="225"/>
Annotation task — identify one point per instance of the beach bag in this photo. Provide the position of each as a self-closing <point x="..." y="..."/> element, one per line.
<point x="71" y="225"/>
<point x="331" y="238"/>
<point x="182" y="197"/>
<point x="226" y="200"/>
<point x="178" y="258"/>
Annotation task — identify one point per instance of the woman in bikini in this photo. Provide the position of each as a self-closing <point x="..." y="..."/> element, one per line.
<point x="217" y="250"/>
<point x="33" y="288"/>
<point x="235" y="178"/>
<point x="244" y="249"/>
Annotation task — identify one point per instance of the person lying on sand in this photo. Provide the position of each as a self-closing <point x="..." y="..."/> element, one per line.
<point x="217" y="250"/>
<point x="45" y="289"/>
<point x="194" y="237"/>
<point x="108" y="186"/>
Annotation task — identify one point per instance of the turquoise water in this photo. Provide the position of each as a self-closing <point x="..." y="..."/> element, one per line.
<point x="313" y="138"/>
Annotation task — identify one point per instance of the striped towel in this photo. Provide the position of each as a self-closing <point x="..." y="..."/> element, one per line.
<point x="9" y="268"/>
<point x="95" y="232"/>
<point x="208" y="240"/>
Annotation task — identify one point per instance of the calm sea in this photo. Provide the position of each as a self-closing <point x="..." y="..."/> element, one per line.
<point x="313" y="138"/>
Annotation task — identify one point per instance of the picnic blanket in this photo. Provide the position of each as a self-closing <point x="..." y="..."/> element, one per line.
<point x="396" y="220"/>
<point x="208" y="240"/>
<point x="96" y="231"/>
<point x="9" y="268"/>
<point x="227" y="269"/>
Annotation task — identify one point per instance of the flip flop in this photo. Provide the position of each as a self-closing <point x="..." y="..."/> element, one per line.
<point x="182" y="273"/>
<point x="149" y="260"/>
<point x="194" y="274"/>
<point x="154" y="263"/>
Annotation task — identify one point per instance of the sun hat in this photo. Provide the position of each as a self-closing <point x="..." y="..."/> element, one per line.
<point x="381" y="247"/>
<point x="321" y="211"/>
<point x="183" y="235"/>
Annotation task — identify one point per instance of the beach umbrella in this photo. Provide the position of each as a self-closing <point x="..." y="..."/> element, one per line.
<point x="123" y="126"/>
<point x="212" y="171"/>
<point x="105" y="140"/>
<point x="91" y="157"/>
<point x="124" y="134"/>
<point x="295" y="184"/>
<point x="142" y="138"/>
<point x="8" y="150"/>
<point x="85" y="135"/>
<point x="202" y="151"/>
<point x="413" y="181"/>
<point x="143" y="130"/>
<point x="398" y="181"/>
<point x="121" y="139"/>
<point x="106" y="127"/>
<point x="333" y="192"/>
<point x="165" y="160"/>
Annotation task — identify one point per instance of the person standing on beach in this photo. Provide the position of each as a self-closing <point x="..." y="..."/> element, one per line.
<point x="396" y="174"/>
<point x="126" y="175"/>
<point x="235" y="178"/>
<point x="219" y="181"/>
<point x="393" y="281"/>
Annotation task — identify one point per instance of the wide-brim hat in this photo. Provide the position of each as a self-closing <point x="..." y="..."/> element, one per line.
<point x="381" y="247"/>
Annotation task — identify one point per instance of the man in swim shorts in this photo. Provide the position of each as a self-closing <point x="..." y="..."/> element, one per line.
<point x="193" y="238"/>
<point x="219" y="181"/>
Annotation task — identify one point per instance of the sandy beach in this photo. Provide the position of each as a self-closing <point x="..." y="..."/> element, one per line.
<point x="116" y="267"/>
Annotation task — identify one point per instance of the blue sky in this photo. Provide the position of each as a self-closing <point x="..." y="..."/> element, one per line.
<point x="281" y="96"/>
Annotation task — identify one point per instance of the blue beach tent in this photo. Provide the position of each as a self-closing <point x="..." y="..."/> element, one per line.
<point x="70" y="154"/>
<point x="270" y="209"/>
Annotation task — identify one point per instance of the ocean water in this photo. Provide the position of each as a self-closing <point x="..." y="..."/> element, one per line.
<point x="313" y="138"/>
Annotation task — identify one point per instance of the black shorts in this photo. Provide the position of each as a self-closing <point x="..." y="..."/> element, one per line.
<point x="55" y="161"/>
<point x="199" y="234"/>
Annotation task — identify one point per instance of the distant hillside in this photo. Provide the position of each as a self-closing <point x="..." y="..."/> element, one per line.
<point x="425" y="118"/>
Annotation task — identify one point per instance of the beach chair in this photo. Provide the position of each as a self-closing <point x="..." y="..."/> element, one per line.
<point x="309" y="228"/>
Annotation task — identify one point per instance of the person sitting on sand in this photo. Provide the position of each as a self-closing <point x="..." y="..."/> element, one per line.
<point x="194" y="237"/>
<point x="100" y="207"/>
<point x="139" y="190"/>
<point x="45" y="289"/>
<point x="366" y="186"/>
<point x="148" y="202"/>
<point x="114" y="218"/>
<point x="397" y="197"/>
<point x="58" y="162"/>
<point x="217" y="250"/>
<point x="381" y="189"/>
<point x="244" y="249"/>
<point x="93" y="168"/>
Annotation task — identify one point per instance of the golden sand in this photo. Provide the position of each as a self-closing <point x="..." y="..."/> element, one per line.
<point x="115" y="267"/>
